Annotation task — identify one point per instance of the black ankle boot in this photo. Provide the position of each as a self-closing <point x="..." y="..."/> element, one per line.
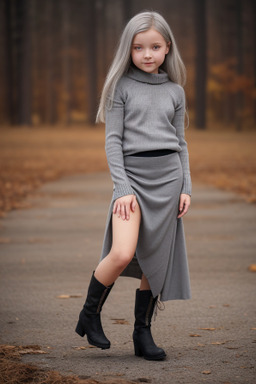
<point x="144" y="344"/>
<point x="89" y="322"/>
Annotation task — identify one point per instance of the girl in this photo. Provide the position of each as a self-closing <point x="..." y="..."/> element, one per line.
<point x="143" y="106"/>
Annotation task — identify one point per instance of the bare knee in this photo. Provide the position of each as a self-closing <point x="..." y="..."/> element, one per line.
<point x="121" y="258"/>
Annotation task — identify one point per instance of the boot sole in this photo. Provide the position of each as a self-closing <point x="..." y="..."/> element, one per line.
<point x="151" y="358"/>
<point x="155" y="358"/>
<point x="80" y="331"/>
<point x="139" y="353"/>
<point x="98" y="345"/>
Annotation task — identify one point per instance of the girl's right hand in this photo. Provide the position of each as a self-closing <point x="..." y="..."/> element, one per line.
<point x="124" y="205"/>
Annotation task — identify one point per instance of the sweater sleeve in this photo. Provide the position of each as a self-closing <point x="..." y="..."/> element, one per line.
<point x="113" y="146"/>
<point x="178" y="123"/>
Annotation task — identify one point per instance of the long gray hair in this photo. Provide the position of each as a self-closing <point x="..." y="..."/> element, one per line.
<point x="173" y="63"/>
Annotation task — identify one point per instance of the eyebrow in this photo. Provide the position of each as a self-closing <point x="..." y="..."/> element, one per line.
<point x="157" y="42"/>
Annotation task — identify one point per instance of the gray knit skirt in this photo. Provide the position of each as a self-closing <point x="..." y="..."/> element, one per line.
<point x="161" y="250"/>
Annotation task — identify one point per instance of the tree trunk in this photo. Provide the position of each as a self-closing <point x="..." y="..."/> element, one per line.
<point x="50" y="104"/>
<point x="91" y="58"/>
<point x="254" y="58"/>
<point x="66" y="61"/>
<point x="239" y="55"/>
<point x="201" y="64"/>
<point x="127" y="10"/>
<point x="24" y="63"/>
<point x="9" y="102"/>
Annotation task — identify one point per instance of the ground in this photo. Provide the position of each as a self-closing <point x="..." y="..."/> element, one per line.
<point x="47" y="254"/>
<point x="49" y="249"/>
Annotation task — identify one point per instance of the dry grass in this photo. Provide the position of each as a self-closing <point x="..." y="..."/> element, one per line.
<point x="13" y="371"/>
<point x="30" y="157"/>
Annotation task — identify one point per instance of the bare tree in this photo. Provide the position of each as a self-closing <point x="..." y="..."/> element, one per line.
<point x="24" y="62"/>
<point x="50" y="104"/>
<point x="66" y="60"/>
<point x="254" y="55"/>
<point x="55" y="55"/>
<point x="7" y="81"/>
<point x="127" y="10"/>
<point x="91" y="58"/>
<point x="200" y="64"/>
<point x="239" y="55"/>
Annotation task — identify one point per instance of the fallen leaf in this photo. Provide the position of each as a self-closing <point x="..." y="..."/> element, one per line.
<point x="218" y="342"/>
<point x="253" y="329"/>
<point x="200" y="345"/>
<point x="208" y="329"/>
<point x="212" y="306"/>
<point x="120" y="321"/>
<point x="232" y="347"/>
<point x="194" y="335"/>
<point x="226" y="305"/>
<point x="83" y="348"/>
<point x="78" y="348"/>
<point x="69" y="296"/>
<point x="252" y="268"/>
<point x="206" y="372"/>
<point x="32" y="351"/>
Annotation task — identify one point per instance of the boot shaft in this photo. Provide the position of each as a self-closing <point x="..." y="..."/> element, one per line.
<point x="89" y="322"/>
<point x="144" y="344"/>
<point x="96" y="296"/>
<point x="144" y="308"/>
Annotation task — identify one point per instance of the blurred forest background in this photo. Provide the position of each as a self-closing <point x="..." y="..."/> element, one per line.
<point x="55" y="55"/>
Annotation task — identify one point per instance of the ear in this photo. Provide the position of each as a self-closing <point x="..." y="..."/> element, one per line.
<point x="168" y="47"/>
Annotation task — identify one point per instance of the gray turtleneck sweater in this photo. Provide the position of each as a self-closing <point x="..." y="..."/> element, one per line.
<point x="147" y="114"/>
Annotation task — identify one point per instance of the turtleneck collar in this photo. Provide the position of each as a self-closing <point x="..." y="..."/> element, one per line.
<point x="149" y="78"/>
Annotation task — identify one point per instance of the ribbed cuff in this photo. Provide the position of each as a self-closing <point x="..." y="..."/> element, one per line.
<point x="122" y="190"/>
<point x="187" y="186"/>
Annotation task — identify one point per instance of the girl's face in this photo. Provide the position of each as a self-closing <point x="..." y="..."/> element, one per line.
<point x="148" y="50"/>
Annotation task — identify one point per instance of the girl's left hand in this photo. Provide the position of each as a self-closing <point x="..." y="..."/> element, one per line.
<point x="184" y="204"/>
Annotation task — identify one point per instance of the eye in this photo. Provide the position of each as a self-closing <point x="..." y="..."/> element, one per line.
<point x="137" y="48"/>
<point x="156" y="47"/>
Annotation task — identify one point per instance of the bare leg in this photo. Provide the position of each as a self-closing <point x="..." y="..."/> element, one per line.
<point x="144" y="285"/>
<point x="125" y="238"/>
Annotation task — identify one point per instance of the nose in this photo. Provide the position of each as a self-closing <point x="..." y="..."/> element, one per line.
<point x="147" y="54"/>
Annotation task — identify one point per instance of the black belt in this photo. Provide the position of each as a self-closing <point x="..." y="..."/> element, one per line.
<point x="155" y="153"/>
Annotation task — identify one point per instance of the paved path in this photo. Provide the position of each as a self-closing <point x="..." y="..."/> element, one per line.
<point x="50" y="249"/>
